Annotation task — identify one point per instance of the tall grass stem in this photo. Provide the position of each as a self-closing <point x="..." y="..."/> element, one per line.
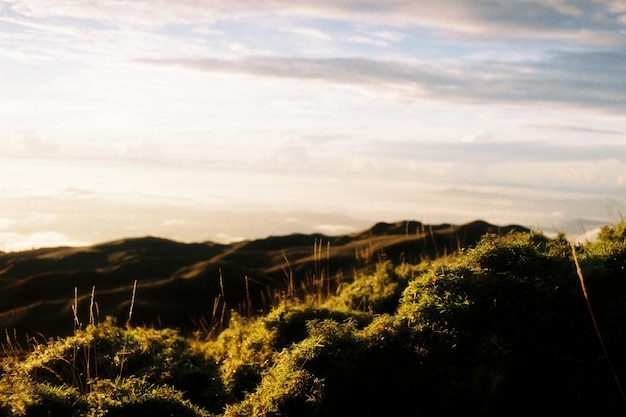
<point x="595" y="323"/>
<point x="132" y="304"/>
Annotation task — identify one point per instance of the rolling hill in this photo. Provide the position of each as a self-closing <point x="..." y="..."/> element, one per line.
<point x="518" y="324"/>
<point x="185" y="286"/>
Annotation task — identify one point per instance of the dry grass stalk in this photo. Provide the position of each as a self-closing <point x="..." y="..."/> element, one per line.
<point x="595" y="323"/>
<point x="92" y="320"/>
<point x="132" y="304"/>
<point x="75" y="309"/>
<point x="291" y="290"/>
<point x="248" y="300"/>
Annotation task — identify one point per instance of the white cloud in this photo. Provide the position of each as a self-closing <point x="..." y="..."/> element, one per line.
<point x="586" y="235"/>
<point x="566" y="79"/>
<point x="335" y="229"/>
<point x="31" y="144"/>
<point x="391" y="36"/>
<point x="365" y="40"/>
<point x="222" y="237"/>
<point x="141" y="30"/>
<point x="13" y="241"/>
<point x="176" y="222"/>
<point x="121" y="12"/>
<point x="498" y="93"/>
<point x="5" y="224"/>
<point x="143" y="150"/>
<point x="481" y="136"/>
<point x="496" y="18"/>
<point x="309" y="32"/>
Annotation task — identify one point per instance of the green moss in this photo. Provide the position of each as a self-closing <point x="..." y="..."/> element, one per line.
<point x="505" y="322"/>
<point x="291" y="321"/>
<point x="613" y="233"/>
<point x="242" y="352"/>
<point x="378" y="292"/>
<point x="55" y="401"/>
<point x="59" y="373"/>
<point x="136" y="397"/>
<point x="501" y="329"/>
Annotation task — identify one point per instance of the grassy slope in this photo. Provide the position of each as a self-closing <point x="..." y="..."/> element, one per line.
<point x="179" y="284"/>
<point x="500" y="329"/>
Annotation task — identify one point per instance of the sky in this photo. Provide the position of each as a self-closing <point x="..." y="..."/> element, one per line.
<point x="205" y="120"/>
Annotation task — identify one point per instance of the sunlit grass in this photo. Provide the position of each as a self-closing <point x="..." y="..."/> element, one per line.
<point x="499" y="329"/>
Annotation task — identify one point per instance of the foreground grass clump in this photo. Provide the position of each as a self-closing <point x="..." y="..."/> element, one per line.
<point x="500" y="329"/>
<point x="378" y="292"/>
<point x="506" y="327"/>
<point x="338" y="369"/>
<point x="106" y="368"/>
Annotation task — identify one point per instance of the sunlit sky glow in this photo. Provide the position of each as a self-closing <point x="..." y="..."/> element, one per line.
<point x="203" y="120"/>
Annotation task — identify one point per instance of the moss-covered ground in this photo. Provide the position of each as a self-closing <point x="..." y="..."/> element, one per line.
<point x="503" y="328"/>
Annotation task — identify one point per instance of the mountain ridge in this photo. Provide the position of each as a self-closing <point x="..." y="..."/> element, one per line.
<point x="183" y="283"/>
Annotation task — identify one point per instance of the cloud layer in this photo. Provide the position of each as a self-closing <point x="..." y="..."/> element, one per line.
<point x="566" y="79"/>
<point x="554" y="52"/>
<point x="540" y="18"/>
<point x="378" y="110"/>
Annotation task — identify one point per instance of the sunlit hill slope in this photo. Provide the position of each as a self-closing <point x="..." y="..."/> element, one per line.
<point x="380" y="322"/>
<point x="184" y="285"/>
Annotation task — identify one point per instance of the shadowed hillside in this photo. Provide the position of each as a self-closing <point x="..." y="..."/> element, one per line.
<point x="185" y="285"/>
<point x="517" y="325"/>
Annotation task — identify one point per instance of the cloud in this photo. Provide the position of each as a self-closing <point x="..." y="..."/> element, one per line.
<point x="366" y="40"/>
<point x="5" y="224"/>
<point x="334" y="229"/>
<point x="118" y="12"/>
<point x="143" y="150"/>
<point x="324" y="138"/>
<point x="12" y="241"/>
<point x="308" y="32"/>
<point x="580" y="20"/>
<point x="30" y="144"/>
<point x="582" y="129"/>
<point x="76" y="192"/>
<point x="564" y="70"/>
<point x="565" y="78"/>
<point x="391" y="36"/>
<point x="482" y="136"/>
<point x="177" y="222"/>
<point x="467" y="74"/>
<point x="222" y="237"/>
<point x="489" y="150"/>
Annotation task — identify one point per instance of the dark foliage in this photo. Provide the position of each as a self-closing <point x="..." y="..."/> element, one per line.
<point x="500" y="329"/>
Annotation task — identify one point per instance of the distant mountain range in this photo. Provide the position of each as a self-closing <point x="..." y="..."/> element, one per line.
<point x="185" y="285"/>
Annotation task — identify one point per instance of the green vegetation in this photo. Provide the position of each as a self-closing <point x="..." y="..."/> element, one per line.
<point x="502" y="328"/>
<point x="185" y="286"/>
